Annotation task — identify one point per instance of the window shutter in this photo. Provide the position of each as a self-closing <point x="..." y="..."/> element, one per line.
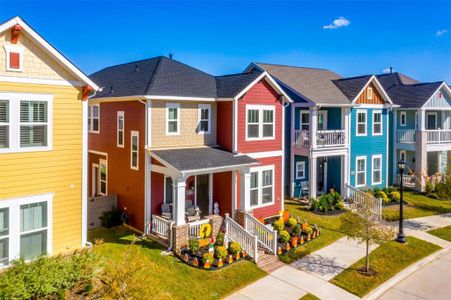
<point x="14" y="60"/>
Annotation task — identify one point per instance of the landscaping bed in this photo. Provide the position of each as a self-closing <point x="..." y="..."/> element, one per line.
<point x="443" y="233"/>
<point x="328" y="204"/>
<point x="386" y="261"/>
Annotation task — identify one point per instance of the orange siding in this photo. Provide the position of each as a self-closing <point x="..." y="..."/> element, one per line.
<point x="225" y="125"/>
<point x="377" y="98"/>
<point x="222" y="191"/>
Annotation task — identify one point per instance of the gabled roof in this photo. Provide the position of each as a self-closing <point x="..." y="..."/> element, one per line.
<point x="313" y="85"/>
<point x="229" y="86"/>
<point x="352" y="86"/>
<point x="413" y="95"/>
<point x="390" y="79"/>
<point x="53" y="52"/>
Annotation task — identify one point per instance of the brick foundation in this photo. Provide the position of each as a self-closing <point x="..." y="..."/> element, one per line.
<point x="239" y="216"/>
<point x="216" y="223"/>
<point x="180" y="237"/>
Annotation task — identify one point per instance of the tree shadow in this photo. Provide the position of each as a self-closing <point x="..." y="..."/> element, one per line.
<point x="318" y="264"/>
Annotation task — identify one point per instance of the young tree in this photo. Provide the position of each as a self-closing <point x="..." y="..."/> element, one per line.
<point x="361" y="224"/>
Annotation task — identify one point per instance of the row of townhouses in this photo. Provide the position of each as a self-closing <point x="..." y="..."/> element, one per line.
<point x="171" y="142"/>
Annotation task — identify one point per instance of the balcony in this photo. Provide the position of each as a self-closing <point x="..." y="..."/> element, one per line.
<point x="405" y="135"/>
<point x="433" y="137"/>
<point x="324" y="138"/>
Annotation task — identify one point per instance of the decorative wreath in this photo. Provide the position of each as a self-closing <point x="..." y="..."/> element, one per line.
<point x="205" y="230"/>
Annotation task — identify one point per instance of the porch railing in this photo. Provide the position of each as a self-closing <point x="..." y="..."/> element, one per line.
<point x="194" y="228"/>
<point x="408" y="180"/>
<point x="367" y="201"/>
<point x="236" y="233"/>
<point x="438" y="136"/>
<point x="266" y="237"/>
<point x="405" y="135"/>
<point x="301" y="138"/>
<point x="324" y="138"/>
<point x="161" y="226"/>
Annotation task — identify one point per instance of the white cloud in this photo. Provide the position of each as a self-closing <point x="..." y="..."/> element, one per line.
<point x="441" y="32"/>
<point x="337" y="23"/>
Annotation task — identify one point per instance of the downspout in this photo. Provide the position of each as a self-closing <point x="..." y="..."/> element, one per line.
<point x="147" y="199"/>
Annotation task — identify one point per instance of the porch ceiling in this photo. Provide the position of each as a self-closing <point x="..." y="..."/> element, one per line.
<point x="202" y="160"/>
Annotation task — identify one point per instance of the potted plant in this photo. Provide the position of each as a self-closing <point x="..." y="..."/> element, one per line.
<point x="234" y="248"/>
<point x="284" y="236"/>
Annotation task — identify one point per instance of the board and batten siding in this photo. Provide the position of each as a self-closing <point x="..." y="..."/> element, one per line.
<point x="57" y="171"/>
<point x="363" y="97"/>
<point x="443" y="102"/>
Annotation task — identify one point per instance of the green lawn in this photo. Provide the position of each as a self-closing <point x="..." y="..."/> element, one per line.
<point x="329" y="231"/>
<point x="386" y="260"/>
<point x="418" y="205"/>
<point x="171" y="278"/>
<point x="443" y="233"/>
<point x="309" y="297"/>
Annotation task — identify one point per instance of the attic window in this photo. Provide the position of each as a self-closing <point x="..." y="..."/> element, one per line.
<point x="14" y="58"/>
<point x="370" y="93"/>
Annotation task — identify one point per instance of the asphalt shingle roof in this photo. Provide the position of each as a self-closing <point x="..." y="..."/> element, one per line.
<point x="202" y="158"/>
<point x="352" y="86"/>
<point x="413" y="95"/>
<point x="229" y="86"/>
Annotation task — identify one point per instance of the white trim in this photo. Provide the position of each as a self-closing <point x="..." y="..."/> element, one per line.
<point x="59" y="82"/>
<point x="265" y="154"/>
<point x="369" y="93"/>
<point x="235" y="126"/>
<point x="360" y="111"/>
<point x="178" y="98"/>
<point x="381" y="122"/>
<point x="271" y="81"/>
<point x="50" y="49"/>
<point x="13" y="205"/>
<point x="118" y="115"/>
<point x="443" y="85"/>
<point x="304" y="112"/>
<point x="15" y="49"/>
<point x="379" y="88"/>
<point x="416" y="120"/>
<point x="14" y="100"/>
<point x="200" y="107"/>
<point x="176" y="106"/>
<point x="401" y="123"/>
<point x="98" y="153"/>
<point x="94" y="179"/>
<point x="376" y="156"/>
<point x="259" y="171"/>
<point x="261" y="109"/>
<point x="104" y="162"/>
<point x="91" y="118"/>
<point x="324" y="114"/>
<point x="84" y="175"/>
<point x="300" y="165"/>
<point x="357" y="172"/>
<point x="133" y="134"/>
<point x="210" y="193"/>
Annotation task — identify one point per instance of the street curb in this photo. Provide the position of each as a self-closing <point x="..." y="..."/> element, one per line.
<point x="379" y="291"/>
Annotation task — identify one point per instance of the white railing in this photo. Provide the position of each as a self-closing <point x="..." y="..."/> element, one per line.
<point x="161" y="226"/>
<point x="266" y="237"/>
<point x="236" y="233"/>
<point x="405" y="135"/>
<point x="438" y="136"/>
<point x="330" y="138"/>
<point x="301" y="138"/>
<point x="368" y="201"/>
<point x="407" y="180"/>
<point x="194" y="228"/>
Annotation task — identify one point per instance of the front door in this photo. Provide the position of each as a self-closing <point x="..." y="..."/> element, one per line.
<point x="431" y="121"/>
<point x="320" y="179"/>
<point x="202" y="194"/>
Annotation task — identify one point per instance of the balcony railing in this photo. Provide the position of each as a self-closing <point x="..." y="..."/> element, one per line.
<point x="324" y="138"/>
<point x="405" y="135"/>
<point x="438" y="136"/>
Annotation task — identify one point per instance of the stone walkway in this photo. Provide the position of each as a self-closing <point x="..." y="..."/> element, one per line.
<point x="311" y="274"/>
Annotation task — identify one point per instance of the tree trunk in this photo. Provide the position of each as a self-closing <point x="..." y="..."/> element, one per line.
<point x="367" y="267"/>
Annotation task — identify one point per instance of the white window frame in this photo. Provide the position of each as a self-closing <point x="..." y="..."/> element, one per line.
<point x="91" y="118"/>
<point x="260" y="109"/>
<point x="16" y="49"/>
<point x="369" y="93"/>
<point x="304" y="112"/>
<point x="403" y="153"/>
<point x="99" y="178"/>
<point x="169" y="106"/>
<point x="377" y="156"/>
<point x="14" y="222"/>
<point x="401" y="123"/>
<point x="120" y="114"/>
<point x="365" y="112"/>
<point x="14" y="121"/>
<point x="300" y="166"/>
<point x="416" y="120"/>
<point x="259" y="171"/>
<point x="357" y="170"/>
<point x="199" y="118"/>
<point x="134" y="133"/>
<point x="7" y="124"/>
<point x="381" y="122"/>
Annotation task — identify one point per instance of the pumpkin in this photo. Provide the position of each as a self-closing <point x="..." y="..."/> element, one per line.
<point x="286" y="215"/>
<point x="294" y="241"/>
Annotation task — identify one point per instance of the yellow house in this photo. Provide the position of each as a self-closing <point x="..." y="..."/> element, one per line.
<point x="43" y="146"/>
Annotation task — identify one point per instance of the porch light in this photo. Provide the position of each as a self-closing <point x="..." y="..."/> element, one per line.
<point x="401" y="165"/>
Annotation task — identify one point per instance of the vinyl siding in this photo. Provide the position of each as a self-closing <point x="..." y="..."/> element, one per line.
<point x="435" y="101"/>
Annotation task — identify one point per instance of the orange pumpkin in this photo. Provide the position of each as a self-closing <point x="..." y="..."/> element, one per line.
<point x="294" y="241"/>
<point x="286" y="215"/>
<point x="304" y="226"/>
<point x="261" y="220"/>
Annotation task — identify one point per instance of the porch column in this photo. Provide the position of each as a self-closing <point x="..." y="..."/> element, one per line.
<point x="313" y="177"/>
<point x="422" y="119"/>
<point x="179" y="187"/>
<point x="345" y="125"/>
<point x="344" y="175"/>
<point x="313" y="115"/>
<point x="420" y="159"/>
<point x="245" y="192"/>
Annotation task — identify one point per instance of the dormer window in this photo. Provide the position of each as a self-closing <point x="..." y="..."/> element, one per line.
<point x="14" y="58"/>
<point x="370" y="93"/>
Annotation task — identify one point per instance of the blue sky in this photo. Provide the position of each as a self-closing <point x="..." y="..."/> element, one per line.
<point x="413" y="37"/>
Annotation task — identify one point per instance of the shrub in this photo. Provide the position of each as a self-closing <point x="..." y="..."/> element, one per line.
<point x="284" y="236"/>
<point x="234" y="248"/>
<point x="221" y="252"/>
<point x="279" y="225"/>
<point x="47" y="277"/>
<point x="340" y="205"/>
<point x="193" y="245"/>
<point x="111" y="218"/>
<point x="327" y="202"/>
<point x="291" y="222"/>
<point x="429" y="188"/>
<point x="207" y="256"/>
<point x="384" y="197"/>
<point x="309" y="230"/>
<point x="220" y="239"/>
<point x="441" y="189"/>
<point x="395" y="196"/>
<point x="296" y="229"/>
<point x="314" y="206"/>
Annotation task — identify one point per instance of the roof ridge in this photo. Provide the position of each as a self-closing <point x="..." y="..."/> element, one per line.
<point x="237" y="74"/>
<point x="291" y="66"/>
<point x="152" y="76"/>
<point x="353" y="77"/>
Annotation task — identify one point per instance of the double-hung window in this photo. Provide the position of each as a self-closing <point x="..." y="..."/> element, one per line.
<point x="260" y="122"/>
<point x="25" y="122"/>
<point x="4" y="236"/>
<point x="172" y="118"/>
<point x="204" y="116"/>
<point x="33" y="230"/>
<point x="305" y="122"/>
<point x="377" y="169"/>
<point x="134" y="150"/>
<point x="94" y="118"/>
<point x="120" y="129"/>
<point x="300" y="170"/>
<point x="103" y="177"/>
<point x="361" y="122"/>
<point x="360" y="173"/>
<point x="377" y="122"/>
<point x="262" y="186"/>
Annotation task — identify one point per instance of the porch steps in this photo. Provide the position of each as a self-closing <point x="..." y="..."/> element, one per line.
<point x="268" y="262"/>
<point x="158" y="239"/>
